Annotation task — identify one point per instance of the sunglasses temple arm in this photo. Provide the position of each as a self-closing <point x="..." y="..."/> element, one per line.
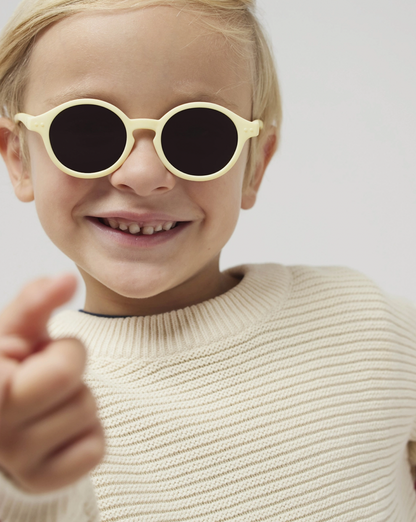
<point x="25" y="119"/>
<point x="258" y="128"/>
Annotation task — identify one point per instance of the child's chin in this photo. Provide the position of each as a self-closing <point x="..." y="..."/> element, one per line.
<point x="136" y="290"/>
<point x="142" y="287"/>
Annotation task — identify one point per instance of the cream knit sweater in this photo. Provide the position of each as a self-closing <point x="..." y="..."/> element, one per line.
<point x="292" y="397"/>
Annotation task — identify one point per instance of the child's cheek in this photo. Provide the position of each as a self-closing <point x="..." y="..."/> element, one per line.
<point x="221" y="201"/>
<point x="46" y="177"/>
<point x="56" y="194"/>
<point x="48" y="181"/>
<point x="227" y="190"/>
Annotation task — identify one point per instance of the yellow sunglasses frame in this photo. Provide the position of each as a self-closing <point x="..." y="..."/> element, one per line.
<point x="246" y="129"/>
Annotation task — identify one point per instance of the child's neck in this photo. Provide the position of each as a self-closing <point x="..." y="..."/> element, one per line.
<point x="103" y="301"/>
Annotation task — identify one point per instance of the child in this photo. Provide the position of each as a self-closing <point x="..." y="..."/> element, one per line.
<point x="140" y="128"/>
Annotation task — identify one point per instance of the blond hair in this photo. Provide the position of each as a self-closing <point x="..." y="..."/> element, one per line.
<point x="235" y="19"/>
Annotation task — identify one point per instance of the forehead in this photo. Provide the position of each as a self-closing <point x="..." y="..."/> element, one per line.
<point x="144" y="54"/>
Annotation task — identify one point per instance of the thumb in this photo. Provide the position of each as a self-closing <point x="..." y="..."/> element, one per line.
<point x="23" y="322"/>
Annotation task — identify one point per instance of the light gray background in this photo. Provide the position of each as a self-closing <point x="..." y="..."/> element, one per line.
<point x="342" y="189"/>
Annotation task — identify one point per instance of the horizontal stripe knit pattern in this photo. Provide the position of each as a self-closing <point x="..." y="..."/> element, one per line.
<point x="292" y="397"/>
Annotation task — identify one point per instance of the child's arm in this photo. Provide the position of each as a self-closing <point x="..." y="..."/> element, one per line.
<point x="50" y="435"/>
<point x="411" y="448"/>
<point x="407" y="313"/>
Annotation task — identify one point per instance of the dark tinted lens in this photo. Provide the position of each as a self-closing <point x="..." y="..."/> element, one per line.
<point x="87" y="138"/>
<point x="199" y="141"/>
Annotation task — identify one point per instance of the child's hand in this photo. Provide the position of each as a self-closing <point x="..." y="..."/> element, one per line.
<point x="50" y="435"/>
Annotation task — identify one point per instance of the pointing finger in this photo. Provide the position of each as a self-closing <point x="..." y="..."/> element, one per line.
<point x="27" y="316"/>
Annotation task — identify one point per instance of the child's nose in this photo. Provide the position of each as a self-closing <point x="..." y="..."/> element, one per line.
<point x="143" y="172"/>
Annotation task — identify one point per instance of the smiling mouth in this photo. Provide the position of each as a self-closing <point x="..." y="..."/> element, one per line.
<point x="135" y="229"/>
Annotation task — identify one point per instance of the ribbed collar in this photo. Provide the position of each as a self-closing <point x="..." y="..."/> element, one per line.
<point x="263" y="289"/>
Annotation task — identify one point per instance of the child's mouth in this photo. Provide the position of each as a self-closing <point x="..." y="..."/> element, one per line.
<point x="134" y="229"/>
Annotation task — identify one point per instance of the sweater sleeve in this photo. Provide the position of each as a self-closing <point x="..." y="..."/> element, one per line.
<point x="407" y="314"/>
<point x="74" y="503"/>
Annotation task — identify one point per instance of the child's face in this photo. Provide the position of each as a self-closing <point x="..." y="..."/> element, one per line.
<point x="145" y="62"/>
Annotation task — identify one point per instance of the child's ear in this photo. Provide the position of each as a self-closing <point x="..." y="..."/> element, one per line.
<point x="264" y="155"/>
<point x="10" y="149"/>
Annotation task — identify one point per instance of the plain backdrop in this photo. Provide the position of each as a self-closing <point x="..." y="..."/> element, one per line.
<point x="342" y="188"/>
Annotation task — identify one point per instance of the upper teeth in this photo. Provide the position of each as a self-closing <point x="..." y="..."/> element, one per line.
<point x="134" y="228"/>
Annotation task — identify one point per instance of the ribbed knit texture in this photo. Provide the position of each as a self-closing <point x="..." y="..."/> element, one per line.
<point x="292" y="397"/>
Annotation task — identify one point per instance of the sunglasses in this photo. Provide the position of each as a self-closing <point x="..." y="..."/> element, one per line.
<point x="88" y="138"/>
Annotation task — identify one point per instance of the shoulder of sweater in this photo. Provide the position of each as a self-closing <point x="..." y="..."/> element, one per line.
<point x="337" y="279"/>
<point x="354" y="291"/>
<point x="335" y="275"/>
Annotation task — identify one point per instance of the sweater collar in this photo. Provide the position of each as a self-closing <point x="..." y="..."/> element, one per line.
<point x="263" y="289"/>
